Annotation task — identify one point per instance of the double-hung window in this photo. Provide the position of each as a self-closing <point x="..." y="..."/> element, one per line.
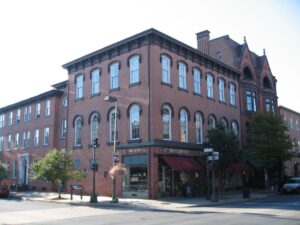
<point x="221" y="90"/>
<point x="1" y="143"/>
<point x="16" y="143"/>
<point x="8" y="142"/>
<point x="112" y="126"/>
<point x="46" y="136"/>
<point x="251" y="101"/>
<point x="134" y="64"/>
<point x="94" y="127"/>
<point x="209" y="83"/>
<point x="114" y="75"/>
<point x="197" y="81"/>
<point x="18" y="116"/>
<point x="79" y="86"/>
<point x="199" y="122"/>
<point x="232" y="93"/>
<point x="36" y="138"/>
<point x="10" y="118"/>
<point x="78" y="132"/>
<point x="270" y="106"/>
<point x="95" y="81"/>
<point x="183" y="126"/>
<point x="47" y="108"/>
<point x="37" y="110"/>
<point x="182" y="75"/>
<point x="64" y="129"/>
<point x="134" y="122"/>
<point x="166" y="117"/>
<point x="166" y="68"/>
<point x="2" y="120"/>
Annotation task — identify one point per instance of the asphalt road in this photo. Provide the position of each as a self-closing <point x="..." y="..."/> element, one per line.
<point x="279" y="210"/>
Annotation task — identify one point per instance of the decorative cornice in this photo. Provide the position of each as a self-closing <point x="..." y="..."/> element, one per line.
<point x="151" y="36"/>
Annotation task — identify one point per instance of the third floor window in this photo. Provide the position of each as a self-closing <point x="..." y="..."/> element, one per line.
<point x="95" y="76"/>
<point x="114" y="75"/>
<point x="79" y="86"/>
<point x="251" y="101"/>
<point x="166" y="67"/>
<point x="134" y="64"/>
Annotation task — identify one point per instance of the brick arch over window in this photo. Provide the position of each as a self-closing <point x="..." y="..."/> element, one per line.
<point x="184" y="63"/>
<point x="95" y="69"/>
<point x="202" y="115"/>
<point x="168" y="56"/>
<point x="94" y="113"/>
<point x="75" y="118"/>
<point x="134" y="55"/>
<point x="113" y="62"/>
<point x="247" y="73"/>
<point x="213" y="117"/>
<point x="78" y="75"/>
<point x="225" y="120"/>
<point x="267" y="83"/>
<point x="170" y="106"/>
<point x="132" y="104"/>
<point x="187" y="112"/>
<point x="111" y="109"/>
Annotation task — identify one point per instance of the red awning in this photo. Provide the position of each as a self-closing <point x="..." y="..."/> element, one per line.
<point x="239" y="167"/>
<point x="182" y="163"/>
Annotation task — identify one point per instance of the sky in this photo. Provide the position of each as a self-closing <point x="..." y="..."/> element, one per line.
<point x="38" y="36"/>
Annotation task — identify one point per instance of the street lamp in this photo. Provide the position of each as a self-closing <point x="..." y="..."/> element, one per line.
<point x="93" y="198"/>
<point x="207" y="152"/>
<point x="114" y="99"/>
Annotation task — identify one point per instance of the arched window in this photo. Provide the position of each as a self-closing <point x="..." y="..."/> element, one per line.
<point x="95" y="75"/>
<point x="211" y="122"/>
<point x="210" y="88"/>
<point x="266" y="83"/>
<point x="79" y="86"/>
<point x="224" y="123"/>
<point x="134" y="122"/>
<point x="247" y="73"/>
<point x="78" y="131"/>
<point x="166" y="117"/>
<point x="183" y="126"/>
<point x="94" y="127"/>
<point x="199" y="122"/>
<point x="234" y="128"/>
<point x="112" y="126"/>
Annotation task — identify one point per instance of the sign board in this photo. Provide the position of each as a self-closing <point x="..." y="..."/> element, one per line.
<point x="206" y="150"/>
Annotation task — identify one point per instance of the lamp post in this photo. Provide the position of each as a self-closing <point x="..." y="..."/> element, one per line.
<point x="212" y="156"/>
<point x="114" y="99"/>
<point x="207" y="152"/>
<point x="93" y="198"/>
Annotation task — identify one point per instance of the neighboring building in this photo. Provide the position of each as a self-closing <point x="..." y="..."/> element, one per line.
<point x="168" y="95"/>
<point x="292" y="120"/>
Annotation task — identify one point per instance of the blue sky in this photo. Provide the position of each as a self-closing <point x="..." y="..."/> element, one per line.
<point x="38" y="36"/>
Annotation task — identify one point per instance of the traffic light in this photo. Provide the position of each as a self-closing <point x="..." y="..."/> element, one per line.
<point x="95" y="142"/>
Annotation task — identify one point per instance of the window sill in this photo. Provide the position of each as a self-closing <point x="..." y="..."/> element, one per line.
<point x="197" y="94"/>
<point x="138" y="140"/>
<point x="77" y="147"/>
<point x="166" y="84"/>
<point x="94" y="95"/>
<point x="221" y="102"/>
<point x="210" y="98"/>
<point x="114" y="89"/>
<point x="183" y="89"/>
<point x="234" y="106"/>
<point x="111" y="142"/>
<point x="78" y="99"/>
<point x="135" y="84"/>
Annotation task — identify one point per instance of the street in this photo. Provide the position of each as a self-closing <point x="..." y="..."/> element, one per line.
<point x="282" y="209"/>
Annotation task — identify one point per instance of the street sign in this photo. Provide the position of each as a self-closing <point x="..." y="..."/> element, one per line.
<point x="116" y="157"/>
<point x="206" y="150"/>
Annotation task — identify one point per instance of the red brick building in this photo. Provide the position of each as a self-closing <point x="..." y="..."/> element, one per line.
<point x="292" y="120"/>
<point x="168" y="95"/>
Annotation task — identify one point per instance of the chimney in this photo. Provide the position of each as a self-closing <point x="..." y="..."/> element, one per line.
<point x="202" y="41"/>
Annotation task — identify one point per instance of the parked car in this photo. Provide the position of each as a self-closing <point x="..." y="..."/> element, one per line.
<point x="4" y="191"/>
<point x="292" y="185"/>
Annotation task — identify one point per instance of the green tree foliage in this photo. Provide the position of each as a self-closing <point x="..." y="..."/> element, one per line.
<point x="56" y="167"/>
<point x="269" y="140"/>
<point x="226" y="143"/>
<point x="4" y="172"/>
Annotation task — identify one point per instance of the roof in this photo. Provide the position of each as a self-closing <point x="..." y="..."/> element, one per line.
<point x="288" y="110"/>
<point x="31" y="100"/>
<point x="140" y="36"/>
<point x="60" y="85"/>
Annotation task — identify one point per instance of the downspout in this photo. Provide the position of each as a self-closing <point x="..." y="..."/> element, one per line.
<point x="149" y="123"/>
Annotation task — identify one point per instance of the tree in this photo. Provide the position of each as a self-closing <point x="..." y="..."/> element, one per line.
<point x="56" y="167"/>
<point x="4" y="172"/>
<point x="269" y="143"/>
<point x="226" y="143"/>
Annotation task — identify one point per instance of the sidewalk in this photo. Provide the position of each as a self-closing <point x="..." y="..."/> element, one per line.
<point x="171" y="203"/>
